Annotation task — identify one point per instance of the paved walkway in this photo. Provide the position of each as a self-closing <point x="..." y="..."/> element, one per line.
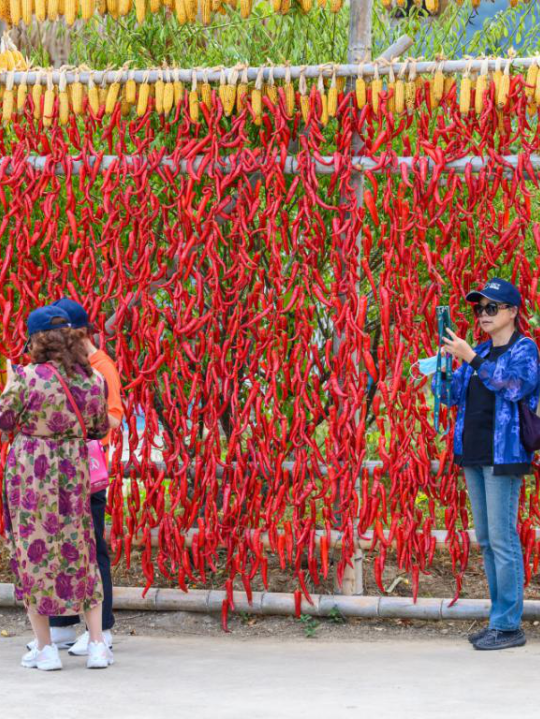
<point x="230" y="678"/>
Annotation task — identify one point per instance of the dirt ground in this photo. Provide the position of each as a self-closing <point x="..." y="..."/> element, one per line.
<point x="439" y="583"/>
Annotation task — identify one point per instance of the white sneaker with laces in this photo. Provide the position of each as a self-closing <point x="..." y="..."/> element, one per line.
<point x="99" y="656"/>
<point x="63" y="637"/>
<point x="80" y="648"/>
<point x="46" y="659"/>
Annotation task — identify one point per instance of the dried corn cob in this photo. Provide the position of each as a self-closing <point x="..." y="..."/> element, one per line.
<point x="5" y="11"/>
<point x="168" y="94"/>
<point x="93" y="96"/>
<point x="194" y="100"/>
<point x="8" y="100"/>
<point x="288" y="89"/>
<point x="241" y="92"/>
<point x="532" y="75"/>
<point x="63" y="100"/>
<point x="465" y="95"/>
<point x="178" y="88"/>
<point x="432" y="6"/>
<point x="155" y="6"/>
<point x="27" y="8"/>
<point x="504" y="88"/>
<point x="40" y="10"/>
<point x="70" y="14"/>
<point x="77" y="96"/>
<point x="245" y="8"/>
<point x="335" y="5"/>
<point x="323" y="119"/>
<point x="270" y="89"/>
<point x="333" y="97"/>
<point x="206" y="12"/>
<point x="131" y="90"/>
<point x="376" y="89"/>
<point x="159" y="90"/>
<point x="140" y="10"/>
<point x="124" y="7"/>
<point x="48" y="104"/>
<point x="180" y="10"/>
<point x="112" y="97"/>
<point x="142" y="100"/>
<point x="22" y="91"/>
<point x="52" y="10"/>
<point x="306" y="5"/>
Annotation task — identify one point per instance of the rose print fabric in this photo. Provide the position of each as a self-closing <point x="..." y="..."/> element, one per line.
<point x="47" y="489"/>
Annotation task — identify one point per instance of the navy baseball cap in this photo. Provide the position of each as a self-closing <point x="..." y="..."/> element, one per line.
<point x="499" y="291"/>
<point x="40" y="320"/>
<point x="78" y="316"/>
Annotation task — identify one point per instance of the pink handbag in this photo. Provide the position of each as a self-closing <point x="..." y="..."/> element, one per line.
<point x="99" y="472"/>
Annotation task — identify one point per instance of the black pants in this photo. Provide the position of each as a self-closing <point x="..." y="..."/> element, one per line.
<point x="97" y="505"/>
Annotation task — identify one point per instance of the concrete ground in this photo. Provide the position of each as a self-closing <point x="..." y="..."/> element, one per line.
<point x="258" y="678"/>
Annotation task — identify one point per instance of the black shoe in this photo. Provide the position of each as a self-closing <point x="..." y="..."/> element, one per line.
<point x="473" y="638"/>
<point x="495" y="639"/>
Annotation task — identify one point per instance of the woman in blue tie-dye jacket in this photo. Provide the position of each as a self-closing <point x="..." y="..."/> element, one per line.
<point x="492" y="379"/>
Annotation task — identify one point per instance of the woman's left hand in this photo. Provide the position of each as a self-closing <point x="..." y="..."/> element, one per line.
<point x="458" y="347"/>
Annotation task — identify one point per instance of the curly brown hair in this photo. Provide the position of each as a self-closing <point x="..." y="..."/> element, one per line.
<point x="63" y="346"/>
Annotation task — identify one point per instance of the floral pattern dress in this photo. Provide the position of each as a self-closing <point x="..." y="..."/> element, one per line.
<point x="47" y="488"/>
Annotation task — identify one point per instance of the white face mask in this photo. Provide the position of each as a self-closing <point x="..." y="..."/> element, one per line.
<point x="427" y="366"/>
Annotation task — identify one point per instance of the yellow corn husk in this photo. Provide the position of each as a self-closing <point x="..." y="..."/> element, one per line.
<point x="40" y="10"/>
<point x="335" y="5"/>
<point x="194" y="106"/>
<point x="332" y="101"/>
<point x="227" y="96"/>
<point x="142" y="100"/>
<point x="288" y="89"/>
<point x="304" y="107"/>
<point x="131" y="92"/>
<point x="178" y="88"/>
<point x="361" y="92"/>
<point x="180" y="10"/>
<point x="8" y="103"/>
<point x="159" y="89"/>
<point x="48" y="108"/>
<point x="206" y="11"/>
<point x="481" y="86"/>
<point x="140" y="10"/>
<point x="399" y="99"/>
<point x="70" y="14"/>
<point x="497" y="77"/>
<point x="206" y="94"/>
<point x="22" y="91"/>
<point x="168" y="97"/>
<point x="276" y="5"/>
<point x="306" y="5"/>
<point x="256" y="104"/>
<point x="438" y="86"/>
<point x="432" y="6"/>
<point x="77" y="97"/>
<point x="53" y="10"/>
<point x="27" y="8"/>
<point x="62" y="6"/>
<point x="245" y="8"/>
<point x="504" y="90"/>
<point x="324" y="109"/>
<point x="112" y="97"/>
<point x="124" y="6"/>
<point x="93" y="99"/>
<point x="241" y="94"/>
<point x="5" y="11"/>
<point x="63" y="108"/>
<point x="465" y="96"/>
<point x="88" y="8"/>
<point x="532" y="76"/>
<point x="155" y="6"/>
<point x="271" y="93"/>
<point x="37" y="92"/>
<point x="376" y="89"/>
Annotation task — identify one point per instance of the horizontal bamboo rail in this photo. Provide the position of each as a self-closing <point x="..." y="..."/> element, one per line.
<point x="322" y="166"/>
<point x="280" y="72"/>
<point x="281" y="604"/>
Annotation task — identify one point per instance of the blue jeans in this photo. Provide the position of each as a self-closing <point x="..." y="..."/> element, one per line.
<point x="494" y="502"/>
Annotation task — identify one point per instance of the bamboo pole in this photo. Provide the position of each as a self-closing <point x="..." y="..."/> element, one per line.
<point x="31" y="77"/>
<point x="283" y="604"/>
<point x="324" y="166"/>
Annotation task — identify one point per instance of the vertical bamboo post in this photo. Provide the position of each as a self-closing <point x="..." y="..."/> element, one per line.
<point x="360" y="24"/>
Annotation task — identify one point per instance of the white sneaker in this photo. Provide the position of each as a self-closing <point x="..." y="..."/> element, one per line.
<point x="63" y="637"/>
<point x="99" y="656"/>
<point x="47" y="659"/>
<point x="80" y="648"/>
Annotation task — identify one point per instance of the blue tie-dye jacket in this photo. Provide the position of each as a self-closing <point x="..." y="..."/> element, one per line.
<point x="515" y="375"/>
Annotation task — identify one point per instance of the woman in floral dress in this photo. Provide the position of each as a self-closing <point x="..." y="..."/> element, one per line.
<point x="47" y="484"/>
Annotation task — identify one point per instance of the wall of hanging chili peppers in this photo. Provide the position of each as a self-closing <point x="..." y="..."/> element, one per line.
<point x="229" y="286"/>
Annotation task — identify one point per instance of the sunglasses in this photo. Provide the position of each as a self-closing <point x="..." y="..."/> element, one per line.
<point x="491" y="309"/>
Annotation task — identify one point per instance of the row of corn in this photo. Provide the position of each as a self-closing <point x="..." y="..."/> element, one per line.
<point x="434" y="6"/>
<point x="126" y="96"/>
<point x="14" y="12"/>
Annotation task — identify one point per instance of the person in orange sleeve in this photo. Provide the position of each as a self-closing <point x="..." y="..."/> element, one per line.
<point x="63" y="628"/>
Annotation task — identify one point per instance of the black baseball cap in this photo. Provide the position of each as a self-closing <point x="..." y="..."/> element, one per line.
<point x="499" y="291"/>
<point x="40" y="320"/>
<point x="78" y="316"/>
